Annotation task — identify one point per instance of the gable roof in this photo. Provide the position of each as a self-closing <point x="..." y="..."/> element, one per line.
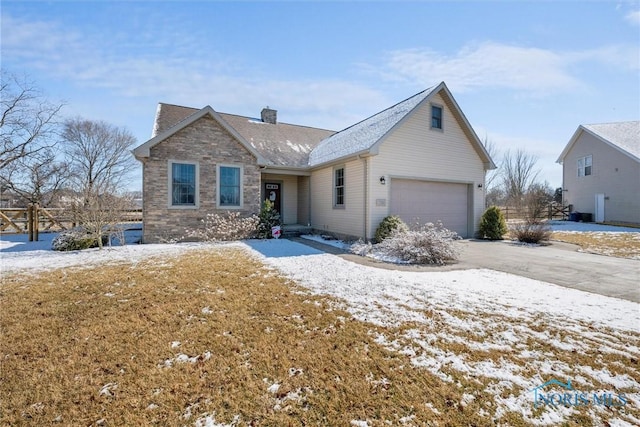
<point x="367" y="135"/>
<point x="144" y="150"/>
<point x="293" y="146"/>
<point x="622" y="136"/>
<point x="278" y="144"/>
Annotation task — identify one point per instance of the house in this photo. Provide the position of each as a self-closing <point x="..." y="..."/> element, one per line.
<point x="601" y="171"/>
<point x="419" y="159"/>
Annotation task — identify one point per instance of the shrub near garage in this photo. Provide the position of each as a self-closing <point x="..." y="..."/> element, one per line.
<point x="492" y="224"/>
<point x="531" y="231"/>
<point x="428" y="244"/>
<point x="389" y="225"/>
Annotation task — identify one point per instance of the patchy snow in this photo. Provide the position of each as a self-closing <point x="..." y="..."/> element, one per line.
<point x="327" y="241"/>
<point x="462" y="307"/>
<point x="30" y="256"/>
<point x="572" y="226"/>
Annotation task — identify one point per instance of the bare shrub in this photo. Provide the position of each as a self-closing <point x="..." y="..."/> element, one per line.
<point x="531" y="231"/>
<point x="361" y="248"/>
<point x="426" y="244"/>
<point x="227" y="226"/>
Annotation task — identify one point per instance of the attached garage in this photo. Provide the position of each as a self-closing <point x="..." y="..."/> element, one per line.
<point x="431" y="201"/>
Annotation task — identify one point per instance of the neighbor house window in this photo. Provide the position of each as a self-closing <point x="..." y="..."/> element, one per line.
<point x="436" y="117"/>
<point x="229" y="186"/>
<point x="338" y="187"/>
<point x="183" y="184"/>
<point x="584" y="166"/>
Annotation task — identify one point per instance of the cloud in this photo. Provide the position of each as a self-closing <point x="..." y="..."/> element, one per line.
<point x="495" y="65"/>
<point x="186" y="73"/>
<point x="633" y="17"/>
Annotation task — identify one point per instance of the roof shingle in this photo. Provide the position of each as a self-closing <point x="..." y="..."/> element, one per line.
<point x="364" y="134"/>
<point x="625" y="135"/>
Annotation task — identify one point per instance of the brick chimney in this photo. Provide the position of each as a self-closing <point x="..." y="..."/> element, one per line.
<point x="268" y="115"/>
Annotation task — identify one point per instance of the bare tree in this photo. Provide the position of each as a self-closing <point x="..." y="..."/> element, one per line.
<point x="98" y="153"/>
<point x="36" y="178"/>
<point x="101" y="215"/>
<point x="518" y="174"/>
<point x="491" y="180"/>
<point x="100" y="161"/>
<point x="28" y="120"/>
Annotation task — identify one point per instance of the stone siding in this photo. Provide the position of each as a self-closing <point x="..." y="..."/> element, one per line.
<point x="208" y="144"/>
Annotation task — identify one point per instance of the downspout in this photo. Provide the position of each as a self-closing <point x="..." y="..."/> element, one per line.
<point x="366" y="197"/>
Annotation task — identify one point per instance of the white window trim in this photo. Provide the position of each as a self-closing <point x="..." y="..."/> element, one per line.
<point x="344" y="187"/>
<point x="441" y="128"/>
<point x="229" y="165"/>
<point x="170" y="204"/>
<point x="582" y="169"/>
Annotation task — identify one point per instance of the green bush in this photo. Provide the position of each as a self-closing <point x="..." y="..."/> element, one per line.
<point x="388" y="225"/>
<point x="492" y="224"/>
<point x="268" y="218"/>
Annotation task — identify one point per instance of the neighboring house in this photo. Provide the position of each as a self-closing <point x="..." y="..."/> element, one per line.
<point x="419" y="159"/>
<point x="601" y="171"/>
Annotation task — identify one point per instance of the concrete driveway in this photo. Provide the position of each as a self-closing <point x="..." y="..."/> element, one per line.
<point x="558" y="263"/>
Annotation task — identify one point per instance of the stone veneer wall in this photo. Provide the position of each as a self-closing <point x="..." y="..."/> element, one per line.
<point x="208" y="144"/>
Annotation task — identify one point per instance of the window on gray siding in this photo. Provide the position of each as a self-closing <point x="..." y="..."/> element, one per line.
<point x="436" y="117"/>
<point x="338" y="187"/>
<point x="183" y="184"/>
<point x="584" y="165"/>
<point x="229" y="186"/>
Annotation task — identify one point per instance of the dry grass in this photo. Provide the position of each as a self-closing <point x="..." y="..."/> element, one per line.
<point x="99" y="346"/>
<point x="621" y="245"/>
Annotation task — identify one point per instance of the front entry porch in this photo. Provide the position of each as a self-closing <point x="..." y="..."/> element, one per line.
<point x="290" y="196"/>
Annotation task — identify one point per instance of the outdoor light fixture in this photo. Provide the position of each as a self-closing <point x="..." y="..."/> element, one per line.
<point x="479" y="185"/>
<point x="383" y="181"/>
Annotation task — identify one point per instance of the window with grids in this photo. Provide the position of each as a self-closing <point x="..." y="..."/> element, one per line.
<point x="229" y="189"/>
<point x="183" y="184"/>
<point x="584" y="165"/>
<point x="338" y="187"/>
<point x="436" y="117"/>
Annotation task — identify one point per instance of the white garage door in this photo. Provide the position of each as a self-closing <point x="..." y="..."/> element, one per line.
<point x="427" y="201"/>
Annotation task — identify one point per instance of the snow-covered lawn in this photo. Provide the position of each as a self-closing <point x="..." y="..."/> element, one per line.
<point x="494" y="335"/>
<point x="525" y="331"/>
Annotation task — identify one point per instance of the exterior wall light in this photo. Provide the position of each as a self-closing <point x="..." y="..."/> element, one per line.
<point x="383" y="181"/>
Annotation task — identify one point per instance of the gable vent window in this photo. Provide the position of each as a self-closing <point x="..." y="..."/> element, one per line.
<point x="338" y="187"/>
<point x="436" y="117"/>
<point x="584" y="165"/>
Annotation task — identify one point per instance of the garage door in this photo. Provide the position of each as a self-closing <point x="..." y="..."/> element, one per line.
<point x="427" y="201"/>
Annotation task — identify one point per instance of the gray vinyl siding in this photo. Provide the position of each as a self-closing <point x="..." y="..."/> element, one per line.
<point x="612" y="173"/>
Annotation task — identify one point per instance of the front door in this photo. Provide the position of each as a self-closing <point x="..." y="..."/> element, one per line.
<point x="600" y="207"/>
<point x="272" y="192"/>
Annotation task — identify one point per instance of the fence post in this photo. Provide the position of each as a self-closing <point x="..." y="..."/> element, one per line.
<point x="36" y="222"/>
<point x="30" y="221"/>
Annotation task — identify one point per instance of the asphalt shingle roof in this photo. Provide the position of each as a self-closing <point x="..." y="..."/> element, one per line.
<point x="625" y="135"/>
<point x="280" y="144"/>
<point x="364" y="134"/>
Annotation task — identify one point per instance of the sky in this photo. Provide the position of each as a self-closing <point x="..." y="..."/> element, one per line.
<point x="526" y="74"/>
